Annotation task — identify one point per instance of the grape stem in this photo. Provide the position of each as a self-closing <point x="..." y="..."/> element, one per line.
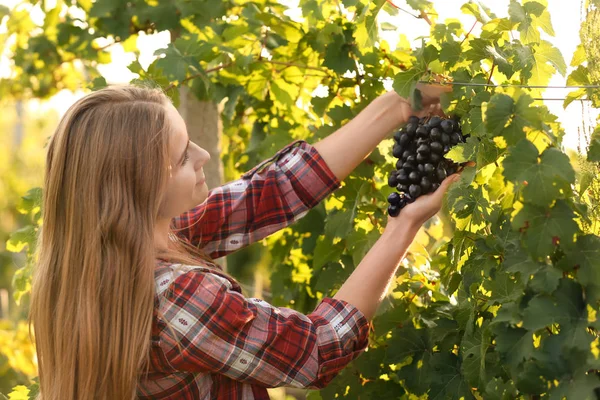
<point x="468" y="33"/>
<point x="491" y="72"/>
<point x="402" y="9"/>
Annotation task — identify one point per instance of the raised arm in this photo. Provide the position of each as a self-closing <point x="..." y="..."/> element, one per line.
<point x="347" y="147"/>
<point x="282" y="189"/>
<point x="268" y="198"/>
<point x="218" y="330"/>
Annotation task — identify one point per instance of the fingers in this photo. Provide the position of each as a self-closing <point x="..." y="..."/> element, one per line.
<point x="431" y="93"/>
<point x="449" y="181"/>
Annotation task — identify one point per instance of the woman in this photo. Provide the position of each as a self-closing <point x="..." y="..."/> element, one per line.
<point x="126" y="302"/>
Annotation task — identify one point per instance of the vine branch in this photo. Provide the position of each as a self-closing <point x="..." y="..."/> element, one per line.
<point x="223" y="66"/>
<point x="469" y="33"/>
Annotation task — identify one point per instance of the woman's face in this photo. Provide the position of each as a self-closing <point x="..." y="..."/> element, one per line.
<point x="187" y="185"/>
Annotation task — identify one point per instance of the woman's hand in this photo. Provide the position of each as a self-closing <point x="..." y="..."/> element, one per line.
<point x="430" y="104"/>
<point x="425" y="207"/>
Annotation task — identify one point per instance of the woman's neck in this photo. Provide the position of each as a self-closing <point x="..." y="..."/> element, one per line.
<point x="162" y="229"/>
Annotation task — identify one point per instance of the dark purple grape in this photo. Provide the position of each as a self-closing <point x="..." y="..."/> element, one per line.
<point x="402" y="203"/>
<point x="411" y="158"/>
<point x="435" y="134"/>
<point x="455" y="138"/>
<point x="452" y="169"/>
<point x="402" y="188"/>
<point x="397" y="135"/>
<point x="424" y="149"/>
<point x="392" y="180"/>
<point x="435" y="187"/>
<point x="437" y="147"/>
<point x="434" y="122"/>
<point x="397" y="151"/>
<point x="413" y="120"/>
<point x="393" y="198"/>
<point x="435" y="158"/>
<point x="414" y="176"/>
<point x="414" y="191"/>
<point x="409" y="167"/>
<point x="422" y="158"/>
<point x="404" y="139"/>
<point x="447" y="126"/>
<point x="408" y="198"/>
<point x="441" y="174"/>
<point x="393" y="210"/>
<point x="425" y="184"/>
<point x="406" y="154"/>
<point x="445" y="138"/>
<point x="402" y="177"/>
<point x="399" y="164"/>
<point x="429" y="168"/>
<point x="411" y="129"/>
<point x="422" y="132"/>
<point x="446" y="149"/>
<point x="421" y="168"/>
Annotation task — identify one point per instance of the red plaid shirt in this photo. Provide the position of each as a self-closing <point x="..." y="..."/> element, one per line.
<point x="235" y="347"/>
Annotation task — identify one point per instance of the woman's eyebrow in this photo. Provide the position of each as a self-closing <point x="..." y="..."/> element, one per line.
<point x="184" y="151"/>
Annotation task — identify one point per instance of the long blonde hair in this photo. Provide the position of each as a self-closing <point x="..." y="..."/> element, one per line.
<point x="93" y="285"/>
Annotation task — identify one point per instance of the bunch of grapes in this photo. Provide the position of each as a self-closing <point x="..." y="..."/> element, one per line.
<point x="421" y="167"/>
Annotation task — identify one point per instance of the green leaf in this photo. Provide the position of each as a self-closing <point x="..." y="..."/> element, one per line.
<point x="583" y="387"/>
<point x="331" y="276"/>
<point x="359" y="243"/>
<point x="481" y="150"/>
<point x="505" y="288"/>
<point x="284" y="92"/>
<point x="367" y="31"/>
<point x="104" y="8"/>
<point x="543" y="181"/>
<point x="339" y="224"/>
<point x="478" y="50"/>
<point x="499" y="112"/>
<point x="325" y="252"/>
<point x="478" y="10"/>
<point x="450" y="52"/>
<point x="405" y="82"/>
<point x="20" y="238"/>
<point x="516" y="11"/>
<point x="545" y="22"/>
<point x="448" y="383"/>
<point x="408" y="341"/>
<point x="593" y="154"/>
<point x="4" y="11"/>
<point x="473" y="349"/>
<point x="513" y="344"/>
<point x="337" y="55"/>
<point x="19" y="393"/>
<point x="585" y="256"/>
<point x="545" y="280"/>
<point x="518" y="261"/>
<point x="184" y="55"/>
<point x="543" y="311"/>
<point x="497" y="389"/>
<point x="546" y="53"/>
<point x="545" y="228"/>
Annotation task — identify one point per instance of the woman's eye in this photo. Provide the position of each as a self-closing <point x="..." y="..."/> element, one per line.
<point x="185" y="158"/>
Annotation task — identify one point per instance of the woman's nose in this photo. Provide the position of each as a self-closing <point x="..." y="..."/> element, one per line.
<point x="204" y="156"/>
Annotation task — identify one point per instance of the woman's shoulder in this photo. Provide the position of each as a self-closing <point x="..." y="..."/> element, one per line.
<point x="167" y="272"/>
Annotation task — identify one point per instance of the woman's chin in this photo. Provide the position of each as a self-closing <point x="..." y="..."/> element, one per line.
<point x="200" y="192"/>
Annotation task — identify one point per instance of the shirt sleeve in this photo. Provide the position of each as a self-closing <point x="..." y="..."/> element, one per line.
<point x="220" y="331"/>
<point x="266" y="199"/>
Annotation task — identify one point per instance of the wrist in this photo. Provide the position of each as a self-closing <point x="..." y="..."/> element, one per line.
<point x="405" y="225"/>
<point x="400" y="106"/>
